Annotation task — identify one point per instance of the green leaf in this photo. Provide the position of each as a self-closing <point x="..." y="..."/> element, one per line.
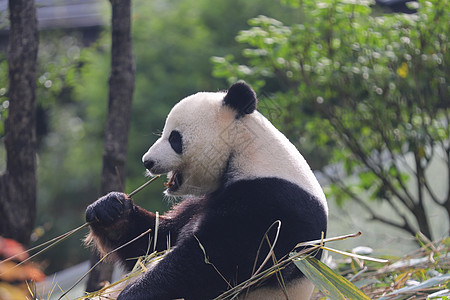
<point x="367" y="179"/>
<point x="327" y="281"/>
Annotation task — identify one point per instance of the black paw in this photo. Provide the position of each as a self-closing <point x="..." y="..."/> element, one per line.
<point x="108" y="209"/>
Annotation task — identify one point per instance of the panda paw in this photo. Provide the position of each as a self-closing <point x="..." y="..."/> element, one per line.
<point x="108" y="209"/>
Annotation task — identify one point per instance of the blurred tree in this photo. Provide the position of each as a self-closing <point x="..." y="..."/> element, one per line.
<point x="121" y="87"/>
<point x="365" y="97"/>
<point x="18" y="184"/>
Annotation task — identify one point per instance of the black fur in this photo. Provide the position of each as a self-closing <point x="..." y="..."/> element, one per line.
<point x="229" y="224"/>
<point x="241" y="98"/>
<point x="176" y="141"/>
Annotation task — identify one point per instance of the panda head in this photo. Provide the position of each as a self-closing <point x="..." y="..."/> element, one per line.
<point x="201" y="134"/>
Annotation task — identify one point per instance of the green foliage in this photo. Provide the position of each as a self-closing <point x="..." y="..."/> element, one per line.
<point x="65" y="138"/>
<point x="372" y="89"/>
<point x="354" y="68"/>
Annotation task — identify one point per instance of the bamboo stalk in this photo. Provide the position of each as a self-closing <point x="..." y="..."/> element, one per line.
<point x="102" y="259"/>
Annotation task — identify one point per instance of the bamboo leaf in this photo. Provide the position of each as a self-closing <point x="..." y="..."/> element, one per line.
<point x="327" y="281"/>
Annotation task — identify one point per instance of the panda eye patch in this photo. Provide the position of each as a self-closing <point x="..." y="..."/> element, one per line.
<point x="176" y="141"/>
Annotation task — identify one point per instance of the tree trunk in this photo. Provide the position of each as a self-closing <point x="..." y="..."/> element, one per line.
<point x="121" y="87"/>
<point x="18" y="184"/>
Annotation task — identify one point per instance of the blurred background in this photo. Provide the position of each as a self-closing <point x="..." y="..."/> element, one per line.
<point x="361" y="88"/>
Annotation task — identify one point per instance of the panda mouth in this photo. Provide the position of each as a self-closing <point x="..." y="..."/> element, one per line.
<point x="175" y="181"/>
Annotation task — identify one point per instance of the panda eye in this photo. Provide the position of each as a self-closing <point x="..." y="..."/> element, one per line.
<point x="176" y="141"/>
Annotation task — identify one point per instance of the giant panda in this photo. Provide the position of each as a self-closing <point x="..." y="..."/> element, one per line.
<point x="237" y="175"/>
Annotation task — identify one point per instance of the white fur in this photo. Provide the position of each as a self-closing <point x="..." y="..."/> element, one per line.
<point x="200" y="119"/>
<point x="211" y="133"/>
<point x="270" y="154"/>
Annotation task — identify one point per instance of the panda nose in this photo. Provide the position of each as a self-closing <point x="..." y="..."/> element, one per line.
<point x="149" y="164"/>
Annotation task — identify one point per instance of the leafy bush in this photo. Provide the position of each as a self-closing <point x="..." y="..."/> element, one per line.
<point x="367" y="91"/>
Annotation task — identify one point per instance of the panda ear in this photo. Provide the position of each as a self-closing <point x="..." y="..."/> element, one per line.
<point x="242" y="98"/>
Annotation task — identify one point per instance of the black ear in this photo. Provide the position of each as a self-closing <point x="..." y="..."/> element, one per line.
<point x="242" y="98"/>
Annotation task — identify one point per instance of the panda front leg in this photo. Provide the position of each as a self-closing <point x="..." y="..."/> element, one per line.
<point x="114" y="221"/>
<point x="182" y="273"/>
